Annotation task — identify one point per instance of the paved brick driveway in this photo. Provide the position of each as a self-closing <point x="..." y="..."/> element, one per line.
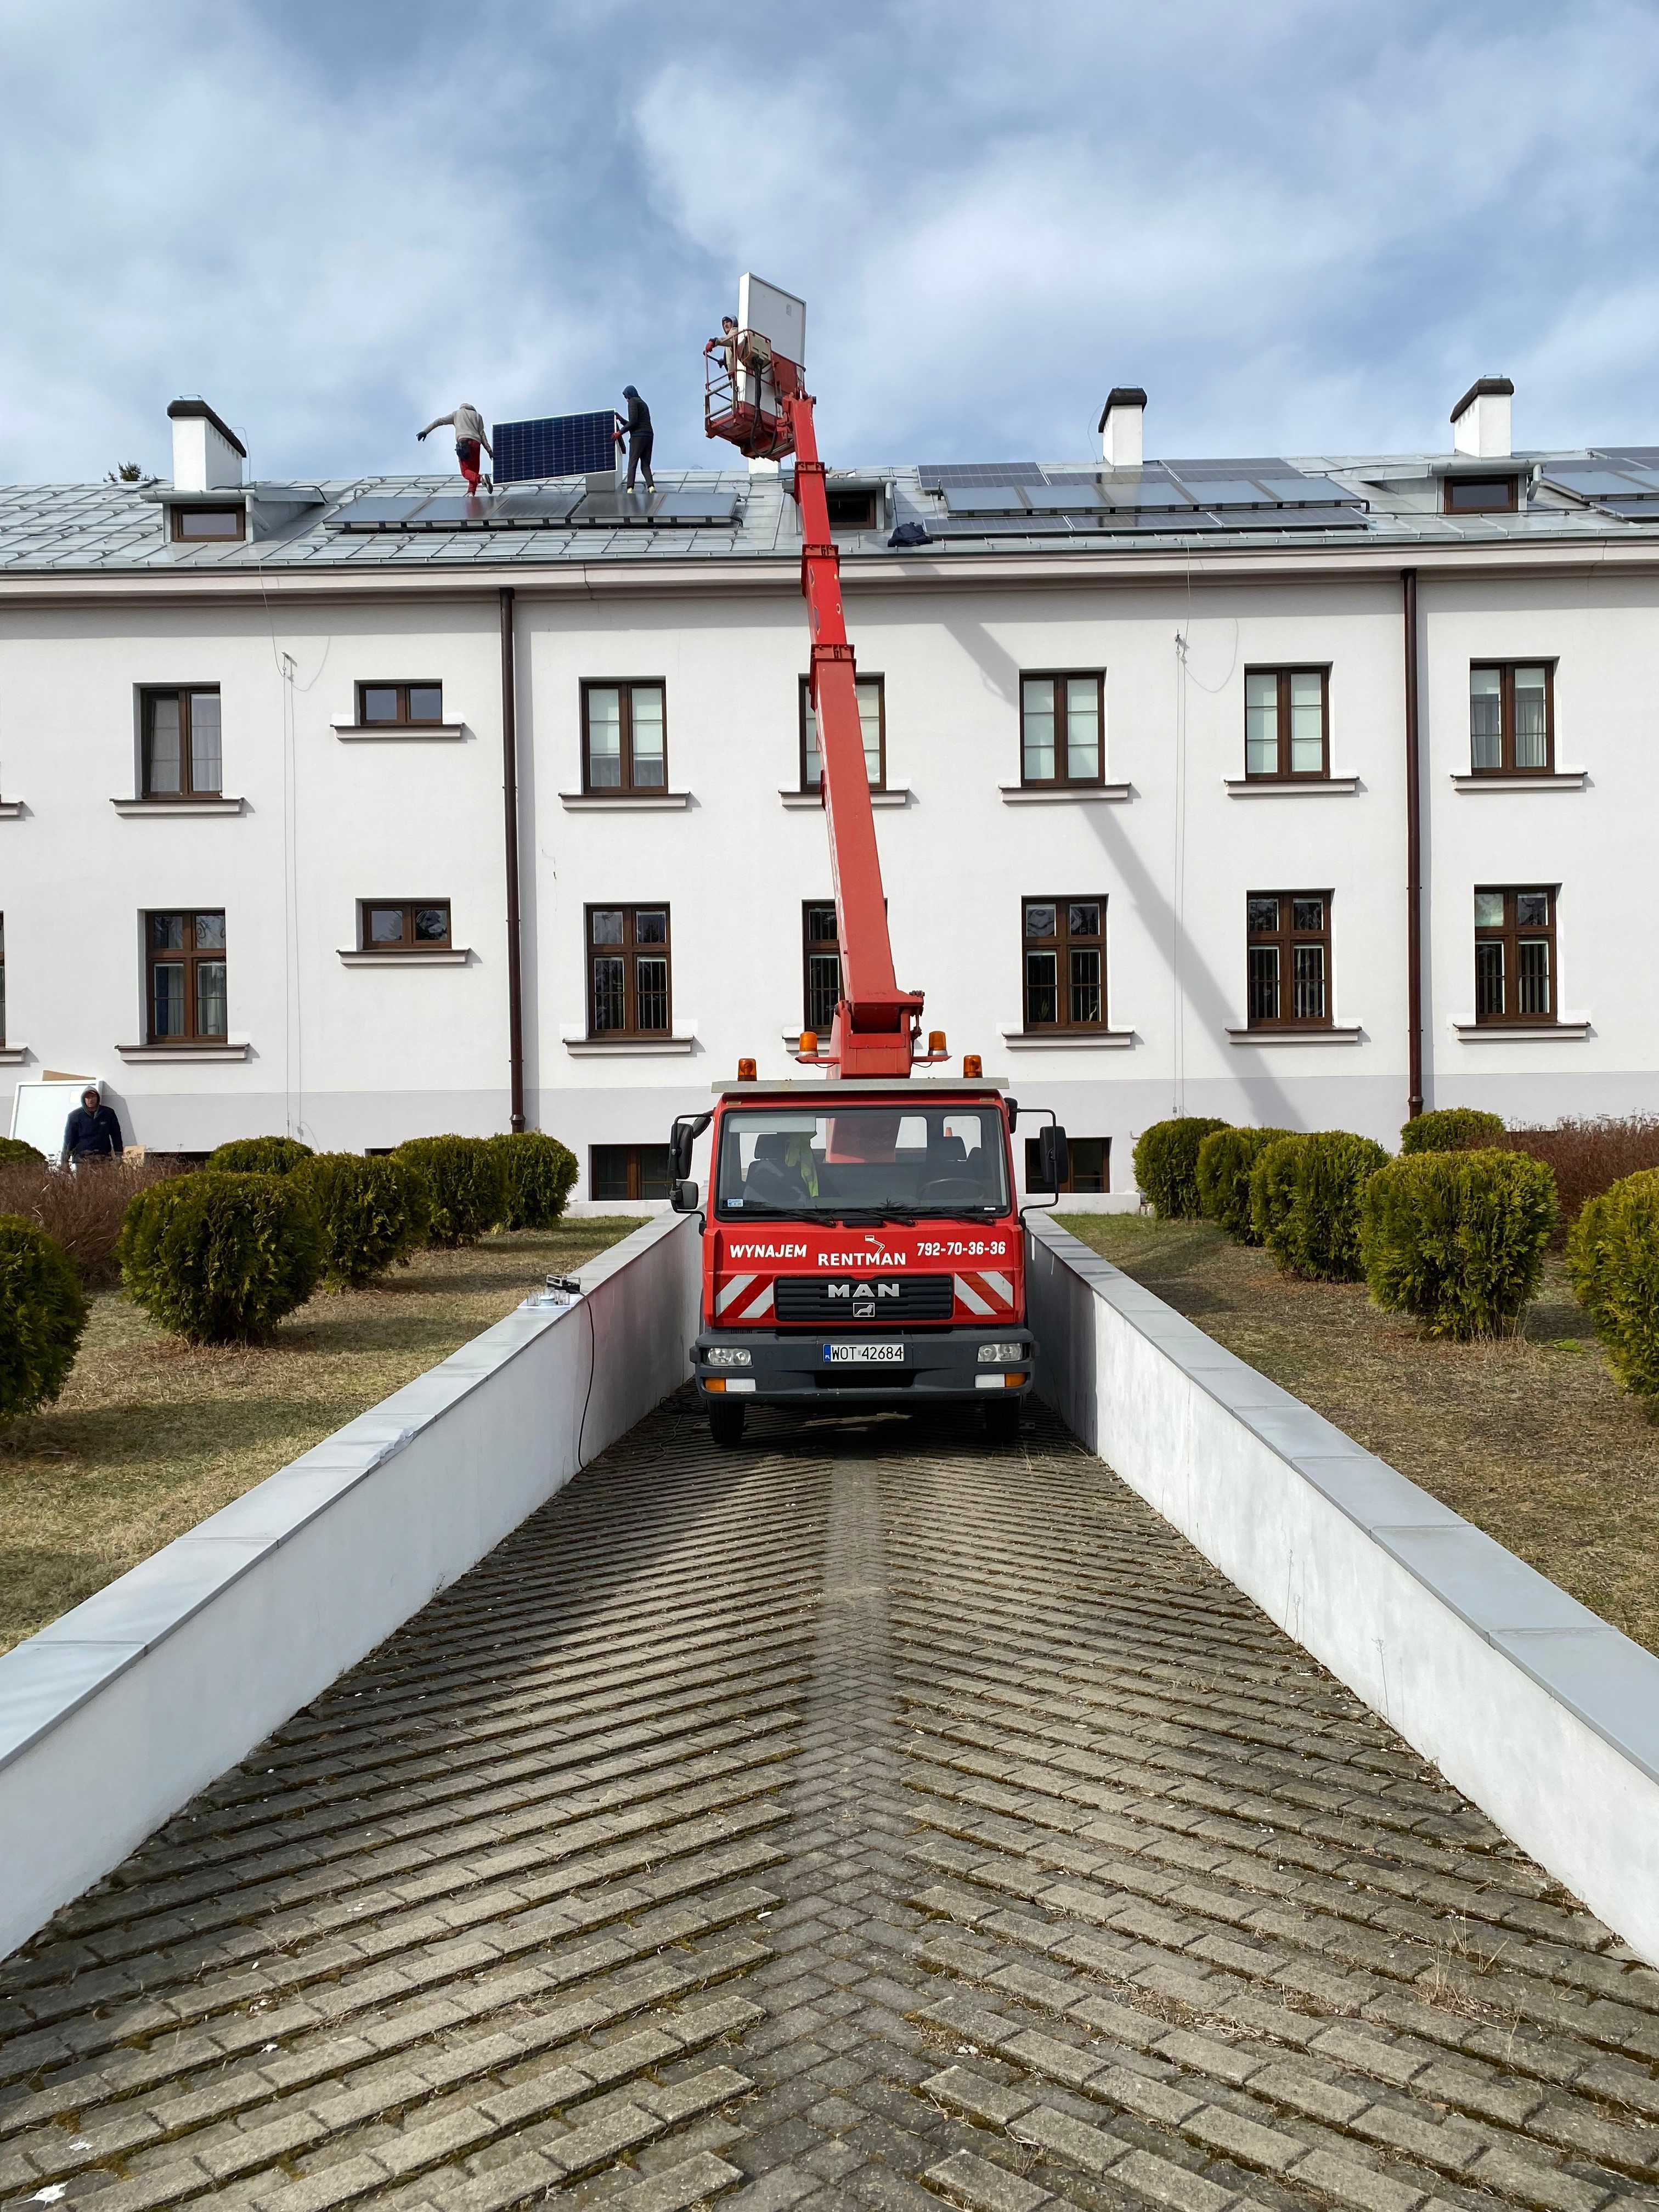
<point x="864" y="1819"/>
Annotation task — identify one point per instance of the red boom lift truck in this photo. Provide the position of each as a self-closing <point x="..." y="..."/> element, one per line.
<point x="862" y="1246"/>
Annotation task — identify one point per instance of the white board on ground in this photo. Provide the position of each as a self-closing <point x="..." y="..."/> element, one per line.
<point x="39" y="1111"/>
<point x="779" y="316"/>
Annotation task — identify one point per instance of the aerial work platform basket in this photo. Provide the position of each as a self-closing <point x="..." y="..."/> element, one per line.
<point x="747" y="387"/>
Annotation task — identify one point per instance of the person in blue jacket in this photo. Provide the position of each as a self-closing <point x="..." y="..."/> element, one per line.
<point x="92" y="1132"/>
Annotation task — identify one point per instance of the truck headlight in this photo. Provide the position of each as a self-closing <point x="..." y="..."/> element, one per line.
<point x="999" y="1355"/>
<point x="728" y="1355"/>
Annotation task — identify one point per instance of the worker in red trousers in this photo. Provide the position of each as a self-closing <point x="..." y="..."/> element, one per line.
<point x="469" y="437"/>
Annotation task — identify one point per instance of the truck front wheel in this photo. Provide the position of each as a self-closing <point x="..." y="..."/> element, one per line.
<point x="1002" y="1420"/>
<point x="726" y="1424"/>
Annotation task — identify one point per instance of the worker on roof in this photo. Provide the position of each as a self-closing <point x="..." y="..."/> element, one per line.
<point x="469" y="437"/>
<point x="636" y="427"/>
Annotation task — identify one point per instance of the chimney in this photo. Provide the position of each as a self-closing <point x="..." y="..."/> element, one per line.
<point x="206" y="453"/>
<point x="1120" y="427"/>
<point x="1480" y="420"/>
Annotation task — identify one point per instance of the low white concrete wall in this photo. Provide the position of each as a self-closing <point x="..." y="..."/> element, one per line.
<point x="1536" y="1709"/>
<point x="117" y="1714"/>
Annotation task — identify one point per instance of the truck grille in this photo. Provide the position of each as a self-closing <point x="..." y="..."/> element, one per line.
<point x="834" y="1298"/>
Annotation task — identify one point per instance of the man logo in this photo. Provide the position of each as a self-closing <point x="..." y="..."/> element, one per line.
<point x="863" y="1308"/>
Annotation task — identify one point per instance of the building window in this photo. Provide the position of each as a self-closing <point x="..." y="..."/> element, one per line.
<point x="1286" y="721"/>
<point x="1512" y="718"/>
<point x="400" y="705"/>
<point x="872" y="722"/>
<point x="1289" y="959"/>
<point x="1061" y="720"/>
<point x="182" y="753"/>
<point x="628" y="1171"/>
<point x="403" y="925"/>
<point x="821" y="962"/>
<point x="852" y="510"/>
<point x="1065" y="949"/>
<point x="628" y="954"/>
<point x="1515" y="956"/>
<point x="624" y="737"/>
<point x="1091" y="1165"/>
<point x="1480" y="496"/>
<point x="196" y="525"/>
<point x="187" y="978"/>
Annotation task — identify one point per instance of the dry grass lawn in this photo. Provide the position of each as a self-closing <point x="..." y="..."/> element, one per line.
<point x="151" y="1435"/>
<point x="1531" y="1439"/>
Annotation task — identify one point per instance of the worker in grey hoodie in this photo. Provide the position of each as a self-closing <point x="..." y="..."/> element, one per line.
<point x="637" y="431"/>
<point x="469" y="437"/>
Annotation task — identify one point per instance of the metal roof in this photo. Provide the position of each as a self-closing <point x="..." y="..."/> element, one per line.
<point x="80" y="528"/>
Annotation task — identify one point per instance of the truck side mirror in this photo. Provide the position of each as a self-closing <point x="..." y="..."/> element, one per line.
<point x="685" y="1196"/>
<point x="1055" y="1155"/>
<point x="683" y="1141"/>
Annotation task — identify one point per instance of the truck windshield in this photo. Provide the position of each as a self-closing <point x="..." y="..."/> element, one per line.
<point x="921" y="1160"/>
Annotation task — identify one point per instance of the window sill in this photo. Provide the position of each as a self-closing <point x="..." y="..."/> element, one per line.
<point x="1277" y="787"/>
<point x="1572" y="779"/>
<point x="583" y="1047"/>
<point x="369" y="732"/>
<point x="1082" y="795"/>
<point x="1518" y="1032"/>
<point x="13" y="1055"/>
<point x="153" y="1055"/>
<point x="435" y="956"/>
<point x="623" y="802"/>
<point x="178" y="808"/>
<point x="799" y="801"/>
<point x="11" y="810"/>
<point x="1066" y="1040"/>
<point x="1333" y="1033"/>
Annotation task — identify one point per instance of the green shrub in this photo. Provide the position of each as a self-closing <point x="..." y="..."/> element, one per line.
<point x="1166" y="1164"/>
<point x="1272" y="1187"/>
<point x="1613" y="1263"/>
<point x="467" y="1186"/>
<point x="42" y="1314"/>
<point x="259" y="1155"/>
<point x="1456" y="1239"/>
<point x="374" y="1212"/>
<point x="14" y="1152"/>
<point x="540" y="1172"/>
<point x="1318" y="1196"/>
<point x="1452" y="1129"/>
<point x="1225" y="1159"/>
<point x="218" y="1258"/>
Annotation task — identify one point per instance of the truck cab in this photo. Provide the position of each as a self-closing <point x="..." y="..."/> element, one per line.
<point x="861" y="1249"/>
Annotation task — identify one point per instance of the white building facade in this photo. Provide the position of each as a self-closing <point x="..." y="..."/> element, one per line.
<point x="1146" y="796"/>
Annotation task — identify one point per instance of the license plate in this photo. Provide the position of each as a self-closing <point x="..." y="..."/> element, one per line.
<point x="860" y="1355"/>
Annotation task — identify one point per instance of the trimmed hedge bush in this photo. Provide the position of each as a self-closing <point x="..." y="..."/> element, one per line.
<point x="42" y="1314"/>
<point x="1225" y="1160"/>
<point x="1613" y="1263"/>
<point x="219" y="1258"/>
<point x="1456" y="1239"/>
<point x="467" y="1186"/>
<point x="14" y="1152"/>
<point x="1272" y="1187"/>
<point x="540" y="1173"/>
<point x="1312" y="1224"/>
<point x="373" y="1213"/>
<point x="259" y="1155"/>
<point x="1166" y="1164"/>
<point x="1452" y="1129"/>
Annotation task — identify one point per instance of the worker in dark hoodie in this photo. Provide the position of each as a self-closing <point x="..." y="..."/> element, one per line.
<point x="636" y="429"/>
<point x="92" y="1132"/>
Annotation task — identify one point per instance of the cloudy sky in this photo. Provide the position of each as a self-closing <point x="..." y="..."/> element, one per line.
<point x="1303" y="225"/>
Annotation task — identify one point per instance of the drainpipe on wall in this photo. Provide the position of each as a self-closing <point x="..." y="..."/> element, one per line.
<point x="1414" y="858"/>
<point x="510" y="792"/>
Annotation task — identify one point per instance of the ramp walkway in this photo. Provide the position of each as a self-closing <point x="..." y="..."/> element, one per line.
<point x="866" y="1818"/>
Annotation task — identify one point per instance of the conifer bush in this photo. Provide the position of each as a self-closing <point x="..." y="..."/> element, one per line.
<point x="1225" y="1160"/>
<point x="259" y="1155"/>
<point x="1452" y="1129"/>
<point x="467" y="1186"/>
<point x="540" y="1174"/>
<point x="1613" y="1263"/>
<point x="14" y="1152"/>
<point x="1166" y="1164"/>
<point x="1456" y="1239"/>
<point x="42" y="1314"/>
<point x="373" y="1213"/>
<point x="219" y="1258"/>
<point x="1272" y="1187"/>
<point x="1312" y="1227"/>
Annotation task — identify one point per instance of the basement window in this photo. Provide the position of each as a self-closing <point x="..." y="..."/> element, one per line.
<point x="628" y="1171"/>
<point x="194" y="526"/>
<point x="1090" y="1172"/>
<point x="1480" y="496"/>
<point x="400" y="705"/>
<point x="403" y="925"/>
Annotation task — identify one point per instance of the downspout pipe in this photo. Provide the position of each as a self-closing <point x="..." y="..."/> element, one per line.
<point x="510" y="795"/>
<point x="1414" y="857"/>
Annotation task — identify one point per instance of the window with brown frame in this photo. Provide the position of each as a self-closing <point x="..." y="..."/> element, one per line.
<point x="820" y="966"/>
<point x="1287" y="723"/>
<point x="199" y="525"/>
<point x="1479" y="496"/>
<point x="1090" y="1171"/>
<point x="628" y="1171"/>
<point x="628" y="971"/>
<point x="1063" y="727"/>
<point x="1064" y="948"/>
<point x="183" y="756"/>
<point x="1288" y="959"/>
<point x="1515" y="954"/>
<point x="1512" y="717"/>
<point x="872" y="724"/>
<point x="624" y="738"/>
<point x="184" y="982"/>
<point x="400" y="705"/>
<point x="403" y="925"/>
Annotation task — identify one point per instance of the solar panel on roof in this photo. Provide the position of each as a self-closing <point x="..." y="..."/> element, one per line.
<point x="1594" y="483"/>
<point x="1351" y="517"/>
<point x="939" y="476"/>
<point x="1227" y="491"/>
<point x="1144" y="491"/>
<point x="1003" y="499"/>
<point x="683" y="507"/>
<point x="1061" y="499"/>
<point x="554" y="445"/>
<point x="380" y="509"/>
<point x="453" y="510"/>
<point x="1632" y="510"/>
<point x="1308" y="491"/>
<point x="533" y="507"/>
